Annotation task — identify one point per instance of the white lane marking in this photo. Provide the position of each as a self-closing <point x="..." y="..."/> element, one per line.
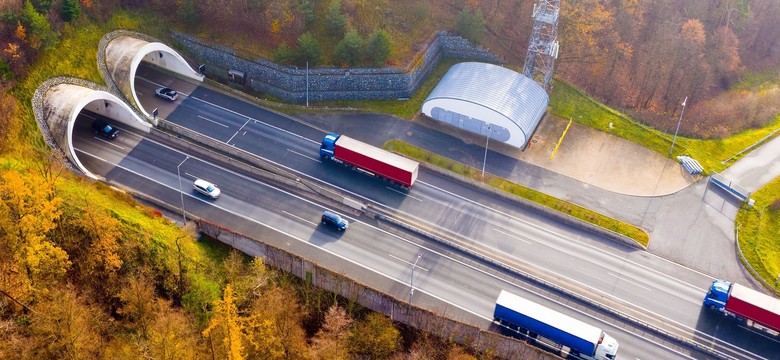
<point x="628" y="281"/>
<point x="484" y="272"/>
<point x="495" y="210"/>
<point x="212" y="121"/>
<point x="216" y="205"/>
<point x="403" y="193"/>
<point x="108" y="142"/>
<point x="237" y="131"/>
<point x="538" y="227"/>
<point x="258" y="121"/>
<point x="407" y="262"/>
<point x="299" y="218"/>
<point x="512" y="235"/>
<point x="304" y="155"/>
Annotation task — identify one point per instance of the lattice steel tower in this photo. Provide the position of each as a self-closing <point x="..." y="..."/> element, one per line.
<point x="543" y="45"/>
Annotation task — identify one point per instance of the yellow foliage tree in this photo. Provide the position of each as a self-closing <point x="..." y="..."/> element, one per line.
<point x="20" y="33"/>
<point x="226" y="326"/>
<point x="171" y="335"/>
<point x="66" y="326"/>
<point x="13" y="51"/>
<point x="375" y="337"/>
<point x="275" y="26"/>
<point x="29" y="211"/>
<point x="102" y="258"/>
<point x="282" y="318"/>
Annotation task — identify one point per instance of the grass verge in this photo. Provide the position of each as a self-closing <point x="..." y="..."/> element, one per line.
<point x="758" y="228"/>
<point x="569" y="102"/>
<point x="74" y="55"/>
<point x="551" y="202"/>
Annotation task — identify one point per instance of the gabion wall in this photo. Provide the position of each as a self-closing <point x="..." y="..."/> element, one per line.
<point x="289" y="83"/>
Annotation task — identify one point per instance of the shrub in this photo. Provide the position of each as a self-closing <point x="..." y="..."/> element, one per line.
<point x="335" y="21"/>
<point x="378" y="47"/>
<point x="70" y="10"/>
<point x="284" y="54"/>
<point x="471" y="25"/>
<point x="349" y="50"/>
<point x="309" y="50"/>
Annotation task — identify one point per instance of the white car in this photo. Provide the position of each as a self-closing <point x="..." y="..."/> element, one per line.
<point x="206" y="188"/>
<point x="167" y="93"/>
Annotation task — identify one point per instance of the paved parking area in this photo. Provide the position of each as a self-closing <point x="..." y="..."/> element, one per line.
<point x="604" y="160"/>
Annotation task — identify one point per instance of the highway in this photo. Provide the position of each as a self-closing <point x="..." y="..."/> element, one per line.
<point x="443" y="280"/>
<point x="635" y="282"/>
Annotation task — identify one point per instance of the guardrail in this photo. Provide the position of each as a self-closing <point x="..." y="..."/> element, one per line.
<point x="751" y="147"/>
<point x="690" y="344"/>
<point x="737" y="191"/>
<point x="273" y="172"/>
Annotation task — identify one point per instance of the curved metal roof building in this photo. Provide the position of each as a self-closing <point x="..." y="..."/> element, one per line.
<point x="489" y="100"/>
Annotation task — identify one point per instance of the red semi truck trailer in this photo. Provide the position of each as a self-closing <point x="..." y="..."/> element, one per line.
<point x="369" y="159"/>
<point x="757" y="309"/>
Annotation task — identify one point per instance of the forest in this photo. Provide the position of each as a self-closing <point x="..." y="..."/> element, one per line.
<point x="643" y="57"/>
<point x="88" y="273"/>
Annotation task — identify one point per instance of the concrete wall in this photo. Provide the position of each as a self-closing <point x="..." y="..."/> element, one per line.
<point x="289" y="83"/>
<point x="397" y="309"/>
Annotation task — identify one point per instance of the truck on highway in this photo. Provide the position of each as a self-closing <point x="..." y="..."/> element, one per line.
<point x="531" y="319"/>
<point x="758" y="310"/>
<point x="369" y="159"/>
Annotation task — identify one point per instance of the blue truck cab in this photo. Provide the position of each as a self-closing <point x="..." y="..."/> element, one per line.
<point x="717" y="295"/>
<point x="328" y="146"/>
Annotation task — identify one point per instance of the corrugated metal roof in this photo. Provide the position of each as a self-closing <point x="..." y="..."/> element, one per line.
<point x="549" y="316"/>
<point x="377" y="153"/>
<point x="508" y="92"/>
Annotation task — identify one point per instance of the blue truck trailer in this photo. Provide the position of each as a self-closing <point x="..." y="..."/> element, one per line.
<point x="528" y="317"/>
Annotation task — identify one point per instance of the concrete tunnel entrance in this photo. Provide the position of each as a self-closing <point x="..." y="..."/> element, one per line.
<point x="124" y="55"/>
<point x="63" y="103"/>
<point x="58" y="102"/>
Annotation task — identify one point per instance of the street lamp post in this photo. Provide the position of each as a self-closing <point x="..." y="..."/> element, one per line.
<point x="307" y="84"/>
<point x="411" y="280"/>
<point x="484" y="160"/>
<point x="678" y="126"/>
<point x="181" y="192"/>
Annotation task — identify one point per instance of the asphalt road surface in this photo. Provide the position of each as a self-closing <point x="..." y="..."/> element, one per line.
<point x="636" y="282"/>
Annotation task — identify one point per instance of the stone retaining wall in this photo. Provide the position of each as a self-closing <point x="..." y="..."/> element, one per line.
<point x="289" y="83"/>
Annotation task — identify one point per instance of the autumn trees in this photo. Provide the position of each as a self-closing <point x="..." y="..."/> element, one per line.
<point x="87" y="273"/>
<point x="647" y="56"/>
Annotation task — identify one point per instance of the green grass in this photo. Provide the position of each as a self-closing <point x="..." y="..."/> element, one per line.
<point x="756" y="81"/>
<point x="551" y="202"/>
<point x="569" y="102"/>
<point x="74" y="55"/>
<point x="758" y="232"/>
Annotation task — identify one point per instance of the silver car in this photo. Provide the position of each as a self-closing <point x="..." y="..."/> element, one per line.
<point x="206" y="188"/>
<point x="167" y="93"/>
